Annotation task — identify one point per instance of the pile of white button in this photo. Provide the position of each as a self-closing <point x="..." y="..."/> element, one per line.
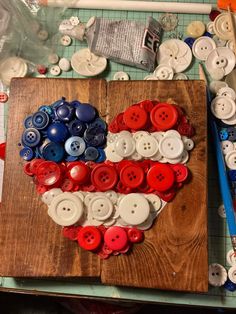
<point x="165" y="147"/>
<point x="98" y="208"/>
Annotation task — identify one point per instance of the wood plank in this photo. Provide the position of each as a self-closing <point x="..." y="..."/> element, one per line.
<point x="30" y="242"/>
<point x="174" y="254"/>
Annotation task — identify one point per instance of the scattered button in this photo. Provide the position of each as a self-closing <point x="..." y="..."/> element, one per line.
<point x="232" y="274"/>
<point x="217" y="275"/>
<point x="55" y="70"/>
<point x="65" y="40"/>
<point x="53" y="58"/>
<point x="64" y="64"/>
<point x="3" y="97"/>
<point x="163" y="72"/>
<point x="121" y="76"/>
<point x="227" y="92"/>
<point x="222" y="26"/>
<point x="202" y="47"/>
<point x="74" y="20"/>
<point x="196" y="29"/>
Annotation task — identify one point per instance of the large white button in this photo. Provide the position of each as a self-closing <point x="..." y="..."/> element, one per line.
<point x="176" y="54"/>
<point x="217" y="275"/>
<point x="202" y="47"/>
<point x="231" y="257"/>
<point x="223" y="107"/>
<point x="171" y="147"/>
<point x="227" y="147"/>
<point x="48" y="196"/>
<point x="230" y="159"/>
<point x="134" y="209"/>
<point x="125" y="146"/>
<point x="65" y="209"/>
<point x="64" y="64"/>
<point x="154" y="202"/>
<point x="232" y="273"/>
<point x="147" y="146"/>
<point x="227" y="92"/>
<point x="121" y="76"/>
<point x="85" y="63"/>
<point x="164" y="72"/>
<point x="222" y="26"/>
<point x="101" y="207"/>
<point x="111" y="153"/>
<point x="196" y="29"/>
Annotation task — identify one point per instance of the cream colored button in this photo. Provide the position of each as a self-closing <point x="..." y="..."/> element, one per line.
<point x="65" y="40"/>
<point x="64" y="64"/>
<point x="227" y="92"/>
<point x="217" y="275"/>
<point x="230" y="44"/>
<point x="147" y="146"/>
<point x="125" y="146"/>
<point x="171" y="147"/>
<point x="215" y="86"/>
<point x="164" y="72"/>
<point x="232" y="273"/>
<point x="55" y="70"/>
<point x="202" y="47"/>
<point x="48" y="196"/>
<point x="222" y="26"/>
<point x="230" y="159"/>
<point x="74" y="20"/>
<point x="227" y="147"/>
<point x="42" y="35"/>
<point x="53" y="58"/>
<point x="101" y="207"/>
<point x="154" y="202"/>
<point x="12" y="67"/>
<point x="231" y="257"/>
<point x="196" y="29"/>
<point x="188" y="144"/>
<point x="121" y="76"/>
<point x="223" y="107"/>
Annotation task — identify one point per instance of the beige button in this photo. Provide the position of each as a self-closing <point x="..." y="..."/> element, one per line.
<point x="196" y="29"/>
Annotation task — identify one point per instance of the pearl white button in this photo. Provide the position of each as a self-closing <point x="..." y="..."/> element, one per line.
<point x="100" y="207"/>
<point x="163" y="72"/>
<point x="53" y="58"/>
<point x="150" y="77"/>
<point x="48" y="196"/>
<point x="184" y="157"/>
<point x="215" y="86"/>
<point x="64" y="64"/>
<point x="154" y="202"/>
<point x="230" y="159"/>
<point x="112" y="195"/>
<point x="188" y="144"/>
<point x="55" y="70"/>
<point x="125" y="146"/>
<point x="227" y="92"/>
<point x="196" y="29"/>
<point x="171" y="147"/>
<point x="217" y="275"/>
<point x="137" y="135"/>
<point x="180" y="76"/>
<point x="231" y="257"/>
<point x="227" y="147"/>
<point x="121" y="76"/>
<point x="111" y="153"/>
<point x="222" y="26"/>
<point x="232" y="273"/>
<point x="202" y="47"/>
<point x="223" y="107"/>
<point x="65" y="40"/>
<point x="210" y="28"/>
<point x="147" y="146"/>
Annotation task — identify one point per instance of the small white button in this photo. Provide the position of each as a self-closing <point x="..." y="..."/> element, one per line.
<point x="227" y="92"/>
<point x="184" y="157"/>
<point x="180" y="76"/>
<point x="158" y="135"/>
<point x="111" y="153"/>
<point x="125" y="146"/>
<point x="147" y="146"/>
<point x="147" y="223"/>
<point x="42" y="35"/>
<point x="64" y="64"/>
<point x="230" y="44"/>
<point x="48" y="196"/>
<point x="150" y="77"/>
<point x="202" y="47"/>
<point x="90" y="22"/>
<point x="227" y="147"/>
<point x="134" y="209"/>
<point x="215" y="86"/>
<point x="85" y="63"/>
<point x="112" y="195"/>
<point x="232" y="273"/>
<point x="101" y="207"/>
<point x="154" y="202"/>
<point x="210" y="28"/>
<point x="79" y="195"/>
<point x="188" y="144"/>
<point x="137" y="135"/>
<point x="219" y="42"/>
<point x="217" y="275"/>
<point x="65" y="209"/>
<point x="172" y="133"/>
<point x="88" y="197"/>
<point x="53" y="58"/>
<point x="65" y="40"/>
<point x="74" y="20"/>
<point x="111" y="137"/>
<point x="221" y="211"/>
<point x="231" y="257"/>
<point x="196" y="29"/>
<point x="164" y="72"/>
<point x="171" y="147"/>
<point x="230" y="121"/>
<point x="222" y="26"/>
<point x="230" y="159"/>
<point x="55" y="70"/>
<point x="121" y="76"/>
<point x="223" y="107"/>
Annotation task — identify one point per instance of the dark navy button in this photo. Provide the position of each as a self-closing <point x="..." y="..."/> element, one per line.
<point x="28" y="122"/>
<point x="102" y="155"/>
<point x="75" y="146"/>
<point x="75" y="103"/>
<point x="47" y="109"/>
<point x="232" y="175"/>
<point x="231" y="133"/>
<point x="57" y="132"/>
<point x="69" y="158"/>
<point x="31" y="137"/>
<point x="27" y="153"/>
<point x="53" y="151"/>
<point x="76" y="128"/>
<point x="208" y="34"/>
<point x="223" y="134"/>
<point x="229" y="285"/>
<point x="189" y="41"/>
<point x="99" y="123"/>
<point x="58" y="103"/>
<point x="40" y="120"/>
<point x="91" y="153"/>
<point x="65" y="112"/>
<point x="38" y="153"/>
<point x="85" y="112"/>
<point x="95" y="136"/>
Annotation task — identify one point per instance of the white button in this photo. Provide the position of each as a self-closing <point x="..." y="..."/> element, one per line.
<point x="93" y="221"/>
<point x="109" y="222"/>
<point x="164" y="72"/>
<point x="88" y="197"/>
<point x="147" y="146"/>
<point x="172" y="133"/>
<point x="221" y="211"/>
<point x="85" y="63"/>
<point x="221" y="58"/>
<point x="101" y="207"/>
<point x="121" y="76"/>
<point x="65" y="26"/>
<point x="147" y="223"/>
<point x="176" y="54"/>
<point x="215" y="86"/>
<point x="158" y="135"/>
<point x="79" y="195"/>
<point x="180" y="76"/>
<point x="55" y="70"/>
<point x="42" y="35"/>
<point x="227" y="147"/>
<point x="232" y="273"/>
<point x="210" y="28"/>
<point x="134" y="209"/>
<point x="171" y="147"/>
<point x="65" y="40"/>
<point x="227" y="92"/>
<point x="154" y="202"/>
<point x="12" y="67"/>
<point x="112" y="195"/>
<point x="219" y="42"/>
<point x="136" y="156"/>
<point x="231" y="257"/>
<point x="53" y="58"/>
<point x="90" y="22"/>
<point x="150" y="77"/>
<point x="174" y="160"/>
<point x="223" y="107"/>
<point x="48" y="196"/>
<point x="230" y="121"/>
<point x="65" y="209"/>
<point x="230" y="159"/>
<point x="230" y="44"/>
<point x="184" y="157"/>
<point x="124" y="133"/>
<point x="111" y="153"/>
<point x="125" y="146"/>
<point x="74" y="20"/>
<point x="111" y="137"/>
<point x="217" y="275"/>
<point x="137" y="135"/>
<point x="168" y="21"/>
<point x="196" y="29"/>
<point x="188" y="144"/>
<point x="202" y="47"/>
<point x="64" y="64"/>
<point x="222" y="26"/>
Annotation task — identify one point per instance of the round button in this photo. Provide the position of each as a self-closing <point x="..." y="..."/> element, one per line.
<point x="78" y="172"/>
<point x="65" y="112"/>
<point x="3" y="97"/>
<point x="91" y="153"/>
<point x="28" y="122"/>
<point x="55" y="70"/>
<point x="217" y="275"/>
<point x="196" y="29"/>
<point x="85" y="112"/>
<point x="53" y="151"/>
<point x="76" y="128"/>
<point x="220" y="58"/>
<point x="95" y="136"/>
<point x="111" y="153"/>
<point x="189" y="41"/>
<point x="74" y="20"/>
<point x="155" y="202"/>
<point x="89" y="238"/>
<point x="160" y="177"/>
<point x="101" y="207"/>
<point x="215" y="86"/>
<point x="132" y="175"/>
<point x="227" y="92"/>
<point x="65" y="40"/>
<point x="164" y="72"/>
<point x="27" y="153"/>
<point x="104" y="177"/>
<point x="171" y="147"/>
<point x="180" y="76"/>
<point x="181" y="172"/>
<point x="227" y="146"/>
<point x="219" y="42"/>
<point x="116" y="238"/>
<point x="53" y="58"/>
<point x="57" y="132"/>
<point x="231" y="257"/>
<point x="40" y="120"/>
<point x="231" y="132"/>
<point x="125" y="146"/>
<point x="222" y="26"/>
<point x="75" y="146"/>
<point x="188" y="144"/>
<point x="164" y="116"/>
<point x="135" y="235"/>
<point x="42" y="35"/>
<point x="121" y="76"/>
<point x="48" y="196"/>
<point x="147" y="146"/>
<point x="230" y="159"/>
<point x="98" y="123"/>
<point x="135" y="117"/>
<point x="202" y="47"/>
<point x="64" y="64"/>
<point x="31" y="137"/>
<point x="210" y="28"/>
<point x="232" y="273"/>
<point x="223" y="107"/>
<point x="48" y="173"/>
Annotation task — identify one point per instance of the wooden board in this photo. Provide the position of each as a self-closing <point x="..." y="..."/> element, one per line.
<point x="174" y="254"/>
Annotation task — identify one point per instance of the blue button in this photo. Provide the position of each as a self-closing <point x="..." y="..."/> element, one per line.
<point x="40" y="120"/>
<point x="47" y="109"/>
<point x="75" y="103"/>
<point x="53" y="151"/>
<point x="208" y="34"/>
<point x="99" y="123"/>
<point x="231" y="134"/>
<point x="27" y="153"/>
<point x="95" y="136"/>
<point x="189" y="41"/>
<point x="91" y="153"/>
<point x="65" y="112"/>
<point x="76" y="128"/>
<point x="69" y="158"/>
<point x="85" y="112"/>
<point x="102" y="155"/>
<point x="223" y="134"/>
<point x="57" y="132"/>
<point x="38" y="153"/>
<point x="75" y="146"/>
<point x="229" y="285"/>
<point x="28" y="122"/>
<point x="58" y="103"/>
<point x="232" y="175"/>
<point x="31" y="137"/>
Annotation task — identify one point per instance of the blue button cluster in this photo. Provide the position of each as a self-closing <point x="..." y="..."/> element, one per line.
<point x="67" y="131"/>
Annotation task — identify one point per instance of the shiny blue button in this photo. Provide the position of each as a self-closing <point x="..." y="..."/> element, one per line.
<point x="91" y="153"/>
<point x="31" y="137"/>
<point x="27" y="153"/>
<point x="58" y="103"/>
<point x="76" y="128"/>
<point x="229" y="285"/>
<point x="102" y="155"/>
<point x="40" y="120"/>
<point x="189" y="41"/>
<point x="99" y="123"/>
<point x="223" y="134"/>
<point x="53" y="151"/>
<point x="65" y="112"/>
<point x="208" y="34"/>
<point x="75" y="103"/>
<point x="95" y="136"/>
<point x="57" y="132"/>
<point x="69" y="158"/>
<point x="47" y="109"/>
<point x="75" y="146"/>
<point x="85" y="112"/>
<point x="28" y="122"/>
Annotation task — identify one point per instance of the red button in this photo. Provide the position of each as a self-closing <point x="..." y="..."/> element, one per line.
<point x="213" y="15"/>
<point x="89" y="238"/>
<point x="120" y="121"/>
<point x="135" y="235"/>
<point x="3" y="97"/>
<point x="34" y="164"/>
<point x="104" y="177"/>
<point x="135" y="117"/>
<point x="71" y="232"/>
<point x="78" y="172"/>
<point x="41" y="69"/>
<point x="186" y="129"/>
<point x="67" y="185"/>
<point x="27" y="170"/>
<point x="164" y="116"/>
<point x="167" y="196"/>
<point x="121" y="164"/>
<point x="181" y="172"/>
<point x="48" y="173"/>
<point x="113" y="126"/>
<point x="147" y="105"/>
<point x="2" y="151"/>
<point x="116" y="238"/>
<point x="123" y="189"/>
<point x="132" y="176"/>
<point x="161" y="177"/>
<point x="41" y="188"/>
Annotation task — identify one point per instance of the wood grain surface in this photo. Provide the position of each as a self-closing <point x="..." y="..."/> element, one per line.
<point x="174" y="254"/>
